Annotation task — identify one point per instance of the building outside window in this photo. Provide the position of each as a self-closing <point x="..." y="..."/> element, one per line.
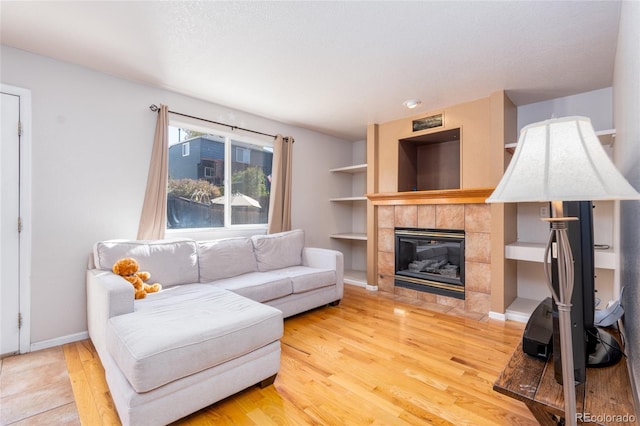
<point x="243" y="155"/>
<point x="223" y="181"/>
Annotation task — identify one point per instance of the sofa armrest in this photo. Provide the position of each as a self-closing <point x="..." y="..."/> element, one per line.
<point x="326" y="259"/>
<point x="108" y="295"/>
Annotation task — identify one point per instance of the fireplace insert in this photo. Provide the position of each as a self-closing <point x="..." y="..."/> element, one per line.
<point x="430" y="260"/>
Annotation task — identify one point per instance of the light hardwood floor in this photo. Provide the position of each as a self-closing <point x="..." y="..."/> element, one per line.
<point x="373" y="360"/>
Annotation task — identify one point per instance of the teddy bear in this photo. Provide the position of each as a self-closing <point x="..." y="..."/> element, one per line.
<point x="127" y="268"/>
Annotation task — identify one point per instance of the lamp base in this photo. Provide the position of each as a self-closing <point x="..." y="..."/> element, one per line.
<point x="607" y="350"/>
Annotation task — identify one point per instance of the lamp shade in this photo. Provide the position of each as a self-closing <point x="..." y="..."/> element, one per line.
<point x="561" y="160"/>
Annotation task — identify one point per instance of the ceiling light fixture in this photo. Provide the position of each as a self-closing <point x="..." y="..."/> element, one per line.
<point x="411" y="103"/>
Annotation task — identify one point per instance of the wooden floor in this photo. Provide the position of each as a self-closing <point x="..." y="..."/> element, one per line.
<point x="372" y="360"/>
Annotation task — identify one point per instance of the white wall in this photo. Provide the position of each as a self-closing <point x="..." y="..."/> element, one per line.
<point x="626" y="112"/>
<point x="91" y="143"/>
<point x="596" y="104"/>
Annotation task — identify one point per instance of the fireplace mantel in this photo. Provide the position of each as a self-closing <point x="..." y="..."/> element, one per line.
<point x="446" y="196"/>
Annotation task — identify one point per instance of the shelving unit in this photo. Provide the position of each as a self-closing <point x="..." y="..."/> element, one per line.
<point x="526" y="254"/>
<point x="351" y="232"/>
<point x="607" y="137"/>
<point x="534" y="252"/>
<point x="351" y="236"/>
<point x="529" y="257"/>
<point x="358" y="168"/>
<point x="525" y="251"/>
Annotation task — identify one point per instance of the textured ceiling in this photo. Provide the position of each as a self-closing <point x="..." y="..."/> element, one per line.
<point x="332" y="67"/>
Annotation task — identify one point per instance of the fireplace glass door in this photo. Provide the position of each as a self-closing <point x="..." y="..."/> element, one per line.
<point x="430" y="260"/>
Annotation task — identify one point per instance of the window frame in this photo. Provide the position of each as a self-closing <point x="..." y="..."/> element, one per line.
<point x="230" y="137"/>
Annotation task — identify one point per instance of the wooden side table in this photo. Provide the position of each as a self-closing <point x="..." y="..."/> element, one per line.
<point x="605" y="398"/>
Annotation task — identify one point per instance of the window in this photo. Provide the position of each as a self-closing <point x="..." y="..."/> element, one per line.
<point x="222" y="181"/>
<point x="243" y="155"/>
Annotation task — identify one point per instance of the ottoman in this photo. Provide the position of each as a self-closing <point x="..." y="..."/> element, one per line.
<point x="175" y="358"/>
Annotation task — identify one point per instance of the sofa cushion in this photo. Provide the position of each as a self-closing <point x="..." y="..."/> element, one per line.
<point x="203" y="328"/>
<point x="258" y="286"/>
<point x="225" y="258"/>
<point x="169" y="262"/>
<point x="275" y="251"/>
<point x="304" y="278"/>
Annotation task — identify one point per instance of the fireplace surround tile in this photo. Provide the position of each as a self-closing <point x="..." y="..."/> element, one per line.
<point x="477" y="277"/>
<point x="427" y="216"/>
<point x="474" y="218"/>
<point x="450" y="301"/>
<point x="477" y="218"/>
<point x="386" y="240"/>
<point x="450" y="216"/>
<point x="477" y="302"/>
<point x="406" y="292"/>
<point x="386" y="217"/>
<point x="427" y="297"/>
<point x="478" y="247"/>
<point x="406" y="216"/>
<point x="425" y="305"/>
<point x="386" y="283"/>
<point x="386" y="263"/>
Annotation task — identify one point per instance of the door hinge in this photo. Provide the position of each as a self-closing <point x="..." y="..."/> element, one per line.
<point x="19" y="320"/>
<point x="19" y="128"/>
<point x="19" y="224"/>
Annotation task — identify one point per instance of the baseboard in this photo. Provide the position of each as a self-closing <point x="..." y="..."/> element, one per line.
<point x="371" y="287"/>
<point x="497" y="316"/>
<point x="517" y="316"/>
<point x="58" y="341"/>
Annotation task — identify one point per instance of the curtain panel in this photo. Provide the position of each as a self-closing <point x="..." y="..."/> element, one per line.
<point x="153" y="219"/>
<point x="280" y="198"/>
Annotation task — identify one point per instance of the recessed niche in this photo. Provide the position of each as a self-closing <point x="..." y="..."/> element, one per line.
<point x="429" y="162"/>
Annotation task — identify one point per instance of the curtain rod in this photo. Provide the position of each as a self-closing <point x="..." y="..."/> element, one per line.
<point x="155" y="108"/>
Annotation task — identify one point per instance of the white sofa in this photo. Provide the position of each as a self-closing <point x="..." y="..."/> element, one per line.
<point x="213" y="330"/>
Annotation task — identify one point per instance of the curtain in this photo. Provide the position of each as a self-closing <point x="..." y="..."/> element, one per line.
<point x="280" y="197"/>
<point x="153" y="220"/>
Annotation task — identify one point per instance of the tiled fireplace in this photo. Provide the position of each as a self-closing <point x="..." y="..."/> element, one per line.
<point x="474" y="219"/>
<point x="440" y="178"/>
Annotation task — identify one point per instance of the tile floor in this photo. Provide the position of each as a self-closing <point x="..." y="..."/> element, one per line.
<point x="35" y="390"/>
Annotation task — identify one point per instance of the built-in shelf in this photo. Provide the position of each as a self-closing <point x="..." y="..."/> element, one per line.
<point x="521" y="309"/>
<point x="606" y="138"/>
<point x="350" y="236"/>
<point x="534" y="252"/>
<point x="358" y="168"/>
<point x="342" y="199"/>
<point x="511" y="147"/>
<point x="350" y="217"/>
<point x="354" y="277"/>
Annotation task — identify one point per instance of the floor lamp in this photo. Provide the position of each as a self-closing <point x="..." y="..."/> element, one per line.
<point x="561" y="160"/>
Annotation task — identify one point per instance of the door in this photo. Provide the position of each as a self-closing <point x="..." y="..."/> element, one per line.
<point x="9" y="232"/>
<point x="10" y="275"/>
